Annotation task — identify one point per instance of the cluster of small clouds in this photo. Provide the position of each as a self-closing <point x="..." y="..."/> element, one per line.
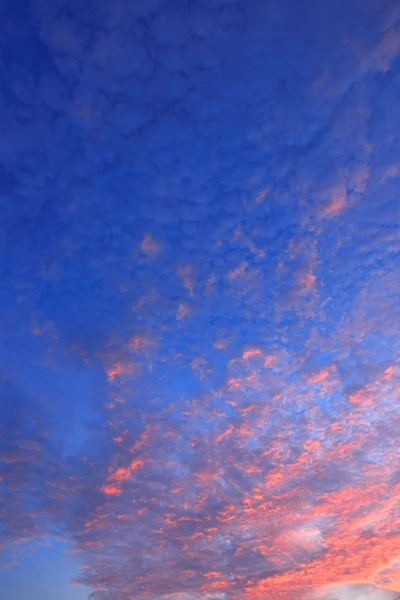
<point x="200" y="285"/>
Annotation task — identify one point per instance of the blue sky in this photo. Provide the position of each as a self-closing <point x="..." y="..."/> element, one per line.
<point x="43" y="569"/>
<point x="200" y="299"/>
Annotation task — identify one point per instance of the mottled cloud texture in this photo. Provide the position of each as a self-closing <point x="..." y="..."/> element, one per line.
<point x="200" y="294"/>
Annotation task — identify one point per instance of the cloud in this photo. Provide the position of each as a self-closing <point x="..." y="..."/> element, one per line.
<point x="200" y="292"/>
<point x="149" y="245"/>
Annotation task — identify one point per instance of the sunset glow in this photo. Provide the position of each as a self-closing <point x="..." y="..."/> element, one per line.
<point x="200" y="300"/>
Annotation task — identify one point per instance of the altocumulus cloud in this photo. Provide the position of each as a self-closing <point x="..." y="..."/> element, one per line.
<point x="200" y="292"/>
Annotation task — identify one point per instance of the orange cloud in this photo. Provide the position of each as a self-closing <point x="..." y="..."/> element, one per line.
<point x="269" y="360"/>
<point x="122" y="367"/>
<point x="186" y="275"/>
<point x="318" y="376"/>
<point x="336" y="204"/>
<point x="390" y="371"/>
<point x="220" y="344"/>
<point x="115" y="369"/>
<point x="111" y="490"/>
<point x="250" y="353"/>
<point x="198" y="365"/>
<point x="238" y="272"/>
<point x="222" y="435"/>
<point x="308" y="279"/>
<point x="120" y="474"/>
<point x="363" y="396"/>
<point x="136" y="464"/>
<point x="183" y="312"/>
<point x="150" y="246"/>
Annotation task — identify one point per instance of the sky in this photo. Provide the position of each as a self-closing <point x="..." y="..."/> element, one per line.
<point x="200" y="300"/>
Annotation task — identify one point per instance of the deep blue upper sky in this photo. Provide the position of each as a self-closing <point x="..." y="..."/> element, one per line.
<point x="200" y="299"/>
